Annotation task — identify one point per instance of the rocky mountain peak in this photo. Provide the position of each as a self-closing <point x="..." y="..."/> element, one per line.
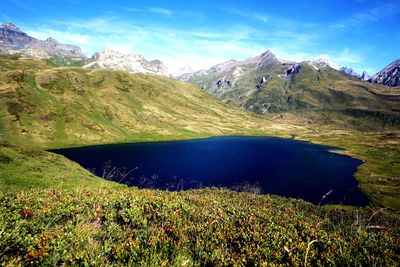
<point x="365" y="76"/>
<point x="267" y="60"/>
<point x="324" y="61"/>
<point x="266" y="53"/>
<point x="113" y="59"/>
<point x="349" y="71"/>
<point x="15" y="40"/>
<point x="389" y="76"/>
<point x="51" y="40"/>
<point x="10" y="27"/>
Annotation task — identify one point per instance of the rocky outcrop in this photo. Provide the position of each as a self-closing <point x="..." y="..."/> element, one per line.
<point x="13" y="40"/>
<point x="132" y="63"/>
<point x="389" y="76"/>
<point x="293" y="72"/>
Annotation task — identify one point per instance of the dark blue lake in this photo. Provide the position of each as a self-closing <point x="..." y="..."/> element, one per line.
<point x="278" y="166"/>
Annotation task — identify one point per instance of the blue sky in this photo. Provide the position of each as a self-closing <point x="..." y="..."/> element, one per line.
<point x="361" y="34"/>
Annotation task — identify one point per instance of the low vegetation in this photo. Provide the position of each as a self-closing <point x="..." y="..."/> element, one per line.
<point x="54" y="212"/>
<point x="200" y="227"/>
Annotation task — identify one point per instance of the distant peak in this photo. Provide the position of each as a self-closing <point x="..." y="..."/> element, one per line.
<point x="324" y="60"/>
<point x="108" y="50"/>
<point x="114" y="52"/>
<point x="266" y="53"/>
<point x="10" y="26"/>
<point x="52" y="40"/>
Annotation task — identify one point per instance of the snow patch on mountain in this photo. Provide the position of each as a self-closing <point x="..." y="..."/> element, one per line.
<point x="324" y="61"/>
<point x="349" y="71"/>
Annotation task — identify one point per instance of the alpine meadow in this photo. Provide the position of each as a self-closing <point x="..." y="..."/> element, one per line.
<point x="116" y="118"/>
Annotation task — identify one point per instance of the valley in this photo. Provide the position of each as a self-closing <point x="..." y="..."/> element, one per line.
<point x="55" y="212"/>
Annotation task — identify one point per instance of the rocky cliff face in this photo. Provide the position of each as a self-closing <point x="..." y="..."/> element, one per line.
<point x="132" y="63"/>
<point x="52" y="47"/>
<point x="365" y="76"/>
<point x="389" y="76"/>
<point x="350" y="72"/>
<point x="13" y="40"/>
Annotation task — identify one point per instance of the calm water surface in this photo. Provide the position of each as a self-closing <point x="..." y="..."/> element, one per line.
<point x="284" y="167"/>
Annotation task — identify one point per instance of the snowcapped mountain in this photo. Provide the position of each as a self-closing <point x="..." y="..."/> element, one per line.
<point x="389" y="76"/>
<point x="13" y="40"/>
<point x="365" y="76"/>
<point x="324" y="61"/>
<point x="350" y="72"/>
<point x="187" y="69"/>
<point x="133" y="63"/>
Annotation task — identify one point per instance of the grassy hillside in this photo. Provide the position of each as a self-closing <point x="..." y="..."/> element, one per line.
<point x="25" y="168"/>
<point x="326" y="95"/>
<point x="55" y="107"/>
<point x="53" y="212"/>
<point x="195" y="228"/>
<point x="43" y="106"/>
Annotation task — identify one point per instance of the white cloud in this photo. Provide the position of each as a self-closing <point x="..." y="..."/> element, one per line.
<point x="245" y="14"/>
<point x="381" y="11"/>
<point x="154" y="10"/>
<point x="261" y="17"/>
<point x="200" y="48"/>
<point x="63" y="37"/>
<point x="159" y="10"/>
<point x="347" y="56"/>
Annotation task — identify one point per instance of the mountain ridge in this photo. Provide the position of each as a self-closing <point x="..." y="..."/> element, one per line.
<point x="306" y="87"/>
<point x="14" y="40"/>
<point x="129" y="62"/>
<point x="389" y="76"/>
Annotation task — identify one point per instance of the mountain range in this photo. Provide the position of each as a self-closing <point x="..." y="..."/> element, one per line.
<point x="265" y="84"/>
<point x="13" y="40"/>
<point x="261" y="84"/>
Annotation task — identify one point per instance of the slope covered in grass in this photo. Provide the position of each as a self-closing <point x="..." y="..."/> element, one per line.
<point x="323" y="93"/>
<point x="195" y="228"/>
<point x="43" y="106"/>
<point x="58" y="107"/>
<point x="25" y="168"/>
<point x="53" y="212"/>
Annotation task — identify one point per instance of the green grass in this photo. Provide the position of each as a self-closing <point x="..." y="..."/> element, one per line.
<point x="24" y="169"/>
<point x="54" y="212"/>
<point x="64" y="107"/>
<point x="88" y="112"/>
<point x="201" y="227"/>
